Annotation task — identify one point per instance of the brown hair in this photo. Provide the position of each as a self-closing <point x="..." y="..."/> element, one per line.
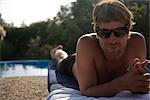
<point x="112" y="10"/>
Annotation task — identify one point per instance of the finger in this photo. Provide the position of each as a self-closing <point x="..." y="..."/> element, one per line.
<point x="142" y="70"/>
<point x="144" y="84"/>
<point x="138" y="69"/>
<point x="144" y="65"/>
<point x="140" y="90"/>
<point x="143" y="89"/>
<point x="145" y="77"/>
<point x="145" y="62"/>
<point x="135" y="61"/>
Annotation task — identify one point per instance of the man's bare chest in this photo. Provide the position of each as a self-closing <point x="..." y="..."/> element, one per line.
<point x="108" y="71"/>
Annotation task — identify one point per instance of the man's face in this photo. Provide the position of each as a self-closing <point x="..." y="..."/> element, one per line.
<point x="115" y="42"/>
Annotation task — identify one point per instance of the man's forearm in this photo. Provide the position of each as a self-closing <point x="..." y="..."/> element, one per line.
<point x="107" y="89"/>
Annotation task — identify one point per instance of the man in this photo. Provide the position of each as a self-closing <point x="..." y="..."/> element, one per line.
<point x="110" y="60"/>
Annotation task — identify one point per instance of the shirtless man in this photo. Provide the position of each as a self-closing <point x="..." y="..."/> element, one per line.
<point x="113" y="58"/>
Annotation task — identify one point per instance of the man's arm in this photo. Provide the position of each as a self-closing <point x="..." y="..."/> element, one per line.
<point x="86" y="72"/>
<point x="139" y="51"/>
<point x="87" y="78"/>
<point x="137" y="46"/>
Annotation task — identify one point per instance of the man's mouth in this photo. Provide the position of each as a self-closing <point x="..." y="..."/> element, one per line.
<point x="113" y="46"/>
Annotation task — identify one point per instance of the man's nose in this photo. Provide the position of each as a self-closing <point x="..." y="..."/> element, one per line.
<point x="112" y="36"/>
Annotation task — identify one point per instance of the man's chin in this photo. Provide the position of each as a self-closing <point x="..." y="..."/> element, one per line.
<point x="115" y="54"/>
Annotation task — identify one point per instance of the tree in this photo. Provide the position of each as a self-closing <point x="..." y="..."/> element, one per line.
<point x="72" y="21"/>
<point x="140" y="9"/>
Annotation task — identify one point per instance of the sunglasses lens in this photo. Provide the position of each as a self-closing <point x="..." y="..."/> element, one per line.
<point x="104" y="33"/>
<point x="120" y="32"/>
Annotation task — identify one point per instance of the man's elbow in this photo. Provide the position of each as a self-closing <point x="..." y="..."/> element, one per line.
<point x="84" y="92"/>
<point x="90" y="93"/>
<point x="87" y="92"/>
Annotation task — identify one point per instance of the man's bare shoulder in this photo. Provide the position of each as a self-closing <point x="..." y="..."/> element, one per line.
<point x="136" y="45"/>
<point x="87" y="44"/>
<point x="136" y="39"/>
<point x="136" y="36"/>
<point x="88" y="38"/>
<point x="88" y="41"/>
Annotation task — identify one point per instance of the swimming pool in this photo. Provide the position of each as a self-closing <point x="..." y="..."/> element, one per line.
<point x="24" y="68"/>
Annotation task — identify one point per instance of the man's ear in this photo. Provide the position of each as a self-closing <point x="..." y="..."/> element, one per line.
<point x="96" y="29"/>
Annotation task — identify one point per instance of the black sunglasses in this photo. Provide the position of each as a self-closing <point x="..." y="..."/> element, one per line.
<point x="118" y="32"/>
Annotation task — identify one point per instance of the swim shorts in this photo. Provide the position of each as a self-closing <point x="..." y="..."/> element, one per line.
<point x="65" y="66"/>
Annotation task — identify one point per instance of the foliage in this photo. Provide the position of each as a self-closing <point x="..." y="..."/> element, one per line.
<point x="72" y="21"/>
<point x="141" y="11"/>
<point x="6" y="50"/>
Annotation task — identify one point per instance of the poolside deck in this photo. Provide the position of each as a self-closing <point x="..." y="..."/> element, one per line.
<point x="23" y="88"/>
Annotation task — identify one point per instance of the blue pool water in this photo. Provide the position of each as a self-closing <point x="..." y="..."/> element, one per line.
<point x="24" y="68"/>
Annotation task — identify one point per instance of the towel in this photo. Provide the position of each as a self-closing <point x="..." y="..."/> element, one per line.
<point x="61" y="86"/>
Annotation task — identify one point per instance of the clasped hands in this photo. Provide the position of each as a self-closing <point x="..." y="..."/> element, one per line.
<point x="140" y="67"/>
<point x="137" y="79"/>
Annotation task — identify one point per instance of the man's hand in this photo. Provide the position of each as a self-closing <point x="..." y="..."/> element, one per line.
<point x="140" y="67"/>
<point x="136" y="80"/>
